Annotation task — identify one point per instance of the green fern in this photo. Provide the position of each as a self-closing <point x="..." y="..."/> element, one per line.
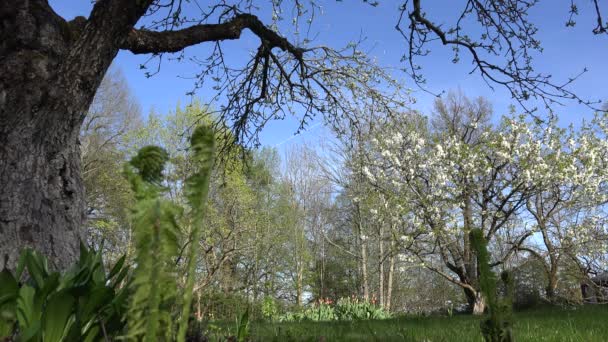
<point x="197" y="187"/>
<point x="156" y="237"/>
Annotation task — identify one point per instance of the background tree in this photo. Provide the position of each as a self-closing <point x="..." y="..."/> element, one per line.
<point x="104" y="139"/>
<point x="467" y="176"/>
<point x="570" y="197"/>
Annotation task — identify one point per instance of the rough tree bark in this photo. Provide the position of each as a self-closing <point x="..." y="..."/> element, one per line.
<point x="50" y="70"/>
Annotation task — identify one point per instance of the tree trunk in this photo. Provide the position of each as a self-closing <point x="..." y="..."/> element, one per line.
<point x="363" y="246"/>
<point x="470" y="262"/>
<point x="479" y="306"/>
<point x="391" y="272"/>
<point x="299" y="287"/>
<point x="551" y="285"/>
<point x="42" y="197"/>
<point x="42" y="201"/>
<point x="364" y="270"/>
<point x="49" y="72"/>
<point x="476" y="301"/>
<point x="381" y="266"/>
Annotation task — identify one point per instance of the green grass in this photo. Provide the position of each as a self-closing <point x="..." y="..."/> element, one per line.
<point x="587" y="324"/>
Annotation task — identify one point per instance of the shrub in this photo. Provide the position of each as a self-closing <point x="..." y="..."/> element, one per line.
<point x="348" y="309"/>
<point x="345" y="309"/>
<point x="270" y="310"/>
<point x="220" y="306"/>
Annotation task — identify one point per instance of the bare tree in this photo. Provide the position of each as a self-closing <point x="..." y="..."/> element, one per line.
<point x="112" y="115"/>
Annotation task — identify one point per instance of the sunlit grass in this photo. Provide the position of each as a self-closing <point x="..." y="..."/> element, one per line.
<point x="548" y="324"/>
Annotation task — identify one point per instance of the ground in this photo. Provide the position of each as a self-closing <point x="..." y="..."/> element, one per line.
<point x="587" y="324"/>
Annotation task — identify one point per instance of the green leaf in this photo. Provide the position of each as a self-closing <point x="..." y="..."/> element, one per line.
<point x="58" y="311"/>
<point x="242" y="331"/>
<point x="9" y="288"/>
<point x="21" y="263"/>
<point x="117" y="266"/>
<point x="29" y="311"/>
<point x="121" y="275"/>
<point x="6" y="328"/>
<point x="95" y="300"/>
<point x="91" y="334"/>
<point x="37" y="268"/>
<point x="51" y="284"/>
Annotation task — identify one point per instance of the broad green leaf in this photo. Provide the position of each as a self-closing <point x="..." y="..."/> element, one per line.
<point x="21" y="263"/>
<point x="29" y="311"/>
<point x="58" y="311"/>
<point x="9" y="288"/>
<point x="95" y="300"/>
<point x="37" y="268"/>
<point x="6" y="328"/>
<point x="91" y="334"/>
<point x="26" y="314"/>
<point x="117" y="266"/>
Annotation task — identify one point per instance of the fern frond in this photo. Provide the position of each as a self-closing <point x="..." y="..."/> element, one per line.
<point x="197" y="188"/>
<point x="156" y="236"/>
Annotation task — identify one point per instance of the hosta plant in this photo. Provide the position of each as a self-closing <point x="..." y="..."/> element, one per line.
<point x="345" y="309"/>
<point x="86" y="303"/>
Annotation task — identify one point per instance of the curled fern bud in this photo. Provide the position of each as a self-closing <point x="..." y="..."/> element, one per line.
<point x="202" y="143"/>
<point x="150" y="163"/>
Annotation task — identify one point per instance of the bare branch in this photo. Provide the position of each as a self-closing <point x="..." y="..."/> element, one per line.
<point x="146" y="41"/>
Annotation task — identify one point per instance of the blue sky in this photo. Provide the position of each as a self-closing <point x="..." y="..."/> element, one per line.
<point x="566" y="52"/>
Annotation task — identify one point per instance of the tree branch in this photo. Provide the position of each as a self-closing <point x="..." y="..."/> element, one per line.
<point x="145" y="41"/>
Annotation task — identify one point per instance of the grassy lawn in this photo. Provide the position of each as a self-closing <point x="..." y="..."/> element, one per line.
<point x="581" y="324"/>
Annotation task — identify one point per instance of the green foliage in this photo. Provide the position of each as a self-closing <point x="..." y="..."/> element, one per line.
<point x="498" y="326"/>
<point x="319" y="312"/>
<point x="83" y="304"/>
<point x="157" y="238"/>
<point x="345" y="309"/>
<point x="197" y="188"/>
<point x="150" y="163"/>
<point x="348" y="309"/>
<point x="270" y="310"/>
<point x="585" y="323"/>
<point x="219" y="306"/>
<point x="242" y="327"/>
